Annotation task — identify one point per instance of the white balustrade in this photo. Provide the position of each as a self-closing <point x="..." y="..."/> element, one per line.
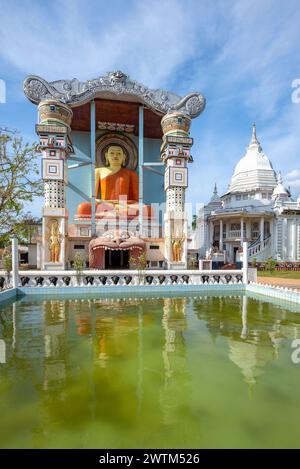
<point x="259" y="247"/>
<point x="235" y="234"/>
<point x="105" y="278"/>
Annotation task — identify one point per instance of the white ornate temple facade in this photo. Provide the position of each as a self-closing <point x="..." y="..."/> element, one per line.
<point x="256" y="208"/>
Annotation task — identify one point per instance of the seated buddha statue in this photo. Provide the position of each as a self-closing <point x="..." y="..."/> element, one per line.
<point x="114" y="180"/>
<point x="116" y="188"/>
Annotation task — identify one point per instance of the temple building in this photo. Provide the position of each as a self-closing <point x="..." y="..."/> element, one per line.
<point x="256" y="208"/>
<point x="115" y="158"/>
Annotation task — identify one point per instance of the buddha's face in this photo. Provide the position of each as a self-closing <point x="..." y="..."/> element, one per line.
<point x="115" y="156"/>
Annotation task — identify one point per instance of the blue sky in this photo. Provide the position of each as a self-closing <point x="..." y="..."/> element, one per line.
<point x="242" y="55"/>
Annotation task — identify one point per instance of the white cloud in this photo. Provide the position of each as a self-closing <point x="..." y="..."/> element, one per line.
<point x="292" y="179"/>
<point x="293" y="174"/>
<point x="148" y="40"/>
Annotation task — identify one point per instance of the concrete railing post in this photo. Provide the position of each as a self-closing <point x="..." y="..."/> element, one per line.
<point x="245" y="262"/>
<point x="15" y="262"/>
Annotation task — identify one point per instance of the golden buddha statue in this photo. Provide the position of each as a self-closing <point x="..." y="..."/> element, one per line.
<point x="114" y="180"/>
<point x="116" y="187"/>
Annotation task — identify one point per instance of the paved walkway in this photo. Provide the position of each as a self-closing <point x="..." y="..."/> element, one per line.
<point x="282" y="282"/>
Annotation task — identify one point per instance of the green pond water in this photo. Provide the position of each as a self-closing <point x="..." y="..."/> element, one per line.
<point x="169" y="372"/>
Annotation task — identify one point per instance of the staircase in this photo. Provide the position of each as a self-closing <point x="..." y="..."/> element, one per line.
<point x="260" y="249"/>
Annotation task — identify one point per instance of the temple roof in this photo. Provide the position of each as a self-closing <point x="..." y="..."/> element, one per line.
<point x="254" y="170"/>
<point x="215" y="201"/>
<point x="113" y="86"/>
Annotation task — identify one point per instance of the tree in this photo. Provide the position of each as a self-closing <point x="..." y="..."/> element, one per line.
<point x="19" y="182"/>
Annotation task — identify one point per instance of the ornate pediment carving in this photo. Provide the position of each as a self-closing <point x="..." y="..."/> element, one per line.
<point x="74" y="93"/>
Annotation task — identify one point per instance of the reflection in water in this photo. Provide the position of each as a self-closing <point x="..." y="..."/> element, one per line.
<point x="174" y="358"/>
<point x="119" y="372"/>
<point x="253" y="334"/>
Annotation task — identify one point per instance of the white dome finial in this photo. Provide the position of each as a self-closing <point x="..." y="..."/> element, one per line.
<point x="280" y="193"/>
<point x="215" y="189"/>
<point x="254" y="137"/>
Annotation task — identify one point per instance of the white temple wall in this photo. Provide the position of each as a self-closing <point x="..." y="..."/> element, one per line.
<point x="258" y="199"/>
<point x="32" y="255"/>
<point x="287" y="239"/>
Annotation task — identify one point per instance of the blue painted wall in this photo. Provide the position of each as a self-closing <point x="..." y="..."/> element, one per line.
<point x="81" y="177"/>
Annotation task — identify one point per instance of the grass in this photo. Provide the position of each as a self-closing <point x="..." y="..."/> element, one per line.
<point x="280" y="274"/>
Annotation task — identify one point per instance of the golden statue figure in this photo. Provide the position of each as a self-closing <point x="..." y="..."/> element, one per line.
<point x="114" y="180"/>
<point x="112" y="183"/>
<point x="54" y="241"/>
<point x="177" y="245"/>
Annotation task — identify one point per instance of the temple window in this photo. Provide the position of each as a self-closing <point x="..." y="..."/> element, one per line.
<point x="84" y="231"/>
<point x="238" y="197"/>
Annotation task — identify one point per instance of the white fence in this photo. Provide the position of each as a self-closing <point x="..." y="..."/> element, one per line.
<point x="68" y="278"/>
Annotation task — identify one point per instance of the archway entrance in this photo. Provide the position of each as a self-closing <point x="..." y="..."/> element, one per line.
<point x="113" y="249"/>
<point x="117" y="259"/>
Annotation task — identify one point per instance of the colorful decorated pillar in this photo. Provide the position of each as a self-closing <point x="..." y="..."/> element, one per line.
<point x="175" y="152"/>
<point x="55" y="145"/>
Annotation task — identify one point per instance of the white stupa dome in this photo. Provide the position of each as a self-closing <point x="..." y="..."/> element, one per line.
<point x="280" y="191"/>
<point x="254" y="171"/>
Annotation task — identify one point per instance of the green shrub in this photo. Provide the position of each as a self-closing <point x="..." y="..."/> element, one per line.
<point x="270" y="265"/>
<point x="139" y="263"/>
<point x="79" y="264"/>
<point x="7" y="261"/>
<point x="7" y="264"/>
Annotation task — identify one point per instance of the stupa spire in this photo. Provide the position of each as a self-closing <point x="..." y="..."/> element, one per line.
<point x="254" y="141"/>
<point x="215" y="192"/>
<point x="254" y="136"/>
<point x="215" y="196"/>
<point x="280" y="192"/>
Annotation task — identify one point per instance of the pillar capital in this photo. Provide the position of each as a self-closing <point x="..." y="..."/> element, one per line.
<point x="176" y="123"/>
<point x="54" y="112"/>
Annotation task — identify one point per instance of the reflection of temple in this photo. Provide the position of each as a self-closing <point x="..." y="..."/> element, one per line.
<point x="176" y="378"/>
<point x="124" y="362"/>
<point x="253" y="335"/>
<point x="111" y="149"/>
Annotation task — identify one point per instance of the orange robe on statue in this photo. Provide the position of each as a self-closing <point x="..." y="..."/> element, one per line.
<point x="123" y="183"/>
<point x="110" y="189"/>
